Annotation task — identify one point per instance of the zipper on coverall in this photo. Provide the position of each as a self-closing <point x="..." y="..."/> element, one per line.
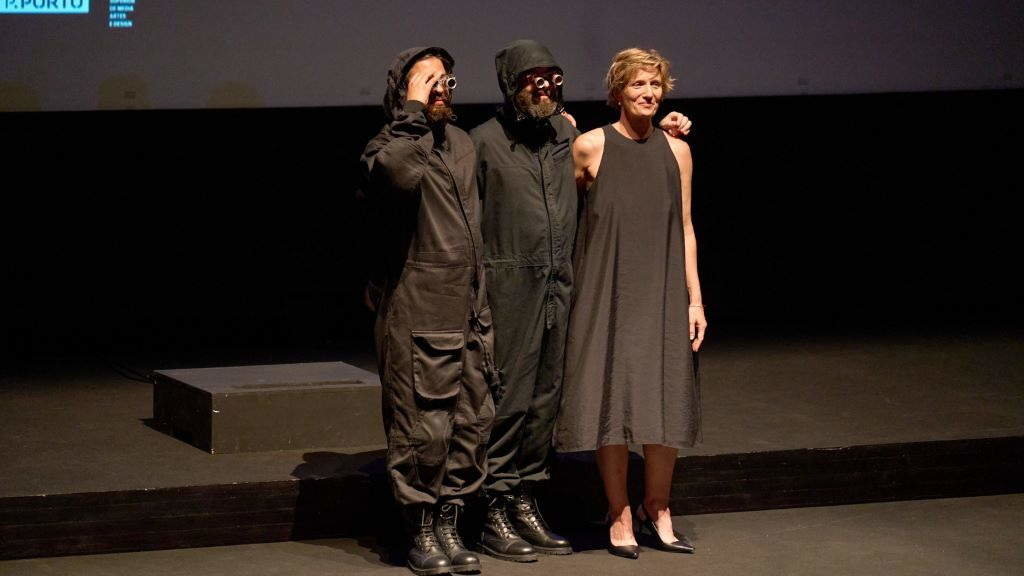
<point x="549" y="297"/>
<point x="490" y="369"/>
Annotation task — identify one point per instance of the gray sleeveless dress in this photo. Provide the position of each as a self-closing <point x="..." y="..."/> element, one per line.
<point x="629" y="372"/>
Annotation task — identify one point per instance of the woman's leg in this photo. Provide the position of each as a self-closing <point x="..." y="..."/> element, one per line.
<point x="613" y="461"/>
<point x="659" y="463"/>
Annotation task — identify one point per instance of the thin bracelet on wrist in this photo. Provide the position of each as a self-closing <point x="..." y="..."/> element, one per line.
<point x="696" y="305"/>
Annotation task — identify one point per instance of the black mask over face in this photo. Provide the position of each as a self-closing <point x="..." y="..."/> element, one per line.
<point x="540" y="93"/>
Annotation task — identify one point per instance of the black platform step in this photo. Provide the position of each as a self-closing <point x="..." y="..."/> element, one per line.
<point x="225" y="410"/>
<point x="194" y="516"/>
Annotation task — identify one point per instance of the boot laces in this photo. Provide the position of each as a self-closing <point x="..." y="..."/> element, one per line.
<point x="498" y="517"/>
<point x="425" y="538"/>
<point x="526" y="508"/>
<point x="448" y="527"/>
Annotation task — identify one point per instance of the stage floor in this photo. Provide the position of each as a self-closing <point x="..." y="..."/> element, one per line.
<point x="78" y="425"/>
<point x="963" y="536"/>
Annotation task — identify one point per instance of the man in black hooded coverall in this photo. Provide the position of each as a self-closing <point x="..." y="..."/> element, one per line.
<point x="527" y="187"/>
<point x="433" y="336"/>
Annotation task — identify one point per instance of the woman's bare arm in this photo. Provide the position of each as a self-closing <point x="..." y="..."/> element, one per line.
<point x="698" y="322"/>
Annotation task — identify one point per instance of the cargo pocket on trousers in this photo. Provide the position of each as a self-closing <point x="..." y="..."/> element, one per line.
<point x="437" y="381"/>
<point x="437" y="363"/>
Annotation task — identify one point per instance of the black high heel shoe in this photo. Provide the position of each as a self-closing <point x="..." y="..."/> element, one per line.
<point x="630" y="551"/>
<point x="647" y="527"/>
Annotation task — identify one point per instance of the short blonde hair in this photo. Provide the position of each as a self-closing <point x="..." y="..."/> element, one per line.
<point x="625" y="65"/>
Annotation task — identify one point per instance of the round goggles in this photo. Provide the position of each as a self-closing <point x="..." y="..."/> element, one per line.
<point x="545" y="81"/>
<point x="448" y="82"/>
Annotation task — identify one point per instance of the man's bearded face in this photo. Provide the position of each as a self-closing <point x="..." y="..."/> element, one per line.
<point x="533" y="101"/>
<point x="439" y="101"/>
<point x="439" y="109"/>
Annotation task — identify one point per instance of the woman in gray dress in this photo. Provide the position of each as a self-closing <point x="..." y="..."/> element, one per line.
<point x="638" y="315"/>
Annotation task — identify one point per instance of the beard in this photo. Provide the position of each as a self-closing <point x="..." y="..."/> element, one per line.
<point x="538" y="109"/>
<point x="440" y="114"/>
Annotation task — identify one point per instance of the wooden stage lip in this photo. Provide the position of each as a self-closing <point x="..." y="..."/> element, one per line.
<point x="349" y="503"/>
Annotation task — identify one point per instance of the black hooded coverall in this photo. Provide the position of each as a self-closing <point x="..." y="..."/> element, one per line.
<point x="528" y="190"/>
<point x="433" y="327"/>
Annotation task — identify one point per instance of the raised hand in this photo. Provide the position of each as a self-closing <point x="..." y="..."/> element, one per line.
<point x="676" y="124"/>
<point x="420" y="85"/>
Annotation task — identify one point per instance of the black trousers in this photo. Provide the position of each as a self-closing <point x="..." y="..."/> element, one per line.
<point x="530" y="317"/>
<point x="437" y="410"/>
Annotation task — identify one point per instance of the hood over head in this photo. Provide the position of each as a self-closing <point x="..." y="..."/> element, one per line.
<point x="394" y="96"/>
<point x="516" y="58"/>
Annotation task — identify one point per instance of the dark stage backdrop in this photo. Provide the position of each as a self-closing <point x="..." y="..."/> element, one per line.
<point x="303" y="53"/>
<point x="162" y="231"/>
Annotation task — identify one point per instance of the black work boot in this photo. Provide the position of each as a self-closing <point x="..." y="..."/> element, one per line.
<point x="499" y="538"/>
<point x="528" y="522"/>
<point x="447" y="531"/>
<point x="425" y="557"/>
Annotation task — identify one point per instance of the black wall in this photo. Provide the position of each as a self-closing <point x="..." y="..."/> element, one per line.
<point x="177" y="230"/>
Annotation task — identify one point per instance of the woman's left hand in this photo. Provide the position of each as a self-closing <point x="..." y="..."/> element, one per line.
<point x="676" y="124"/>
<point x="698" y="326"/>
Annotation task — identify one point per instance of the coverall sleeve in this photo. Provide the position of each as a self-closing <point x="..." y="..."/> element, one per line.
<point x="395" y="160"/>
